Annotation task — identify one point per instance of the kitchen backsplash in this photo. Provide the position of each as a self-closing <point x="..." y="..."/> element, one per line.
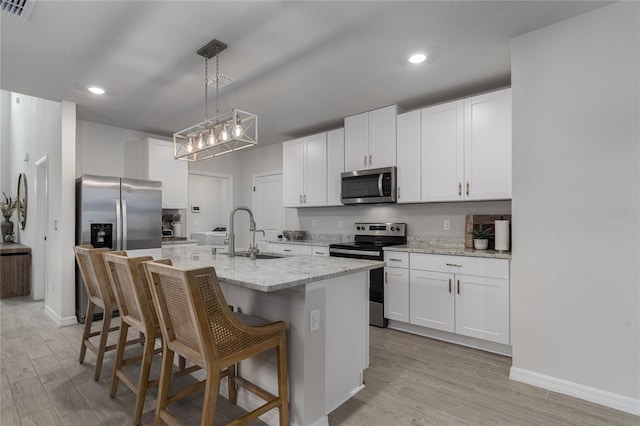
<point x="421" y="219"/>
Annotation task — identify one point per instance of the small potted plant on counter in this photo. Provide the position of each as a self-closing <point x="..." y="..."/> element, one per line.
<point x="481" y="237"/>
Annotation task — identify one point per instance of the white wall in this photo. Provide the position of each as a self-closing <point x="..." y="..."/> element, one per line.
<point x="576" y="190"/>
<point x="53" y="135"/>
<point x="106" y="150"/>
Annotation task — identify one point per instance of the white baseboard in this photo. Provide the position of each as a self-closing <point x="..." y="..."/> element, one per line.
<point x="60" y="322"/>
<point x="598" y="396"/>
<point x="345" y="399"/>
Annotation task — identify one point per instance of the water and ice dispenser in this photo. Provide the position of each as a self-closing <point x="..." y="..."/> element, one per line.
<point x="102" y="235"/>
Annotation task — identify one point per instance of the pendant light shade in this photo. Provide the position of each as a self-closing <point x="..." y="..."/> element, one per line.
<point x="225" y="132"/>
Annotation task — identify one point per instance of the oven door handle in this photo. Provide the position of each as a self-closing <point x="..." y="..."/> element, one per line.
<point x="355" y="252"/>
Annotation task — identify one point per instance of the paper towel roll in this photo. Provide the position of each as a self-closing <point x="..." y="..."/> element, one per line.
<point x="502" y="235"/>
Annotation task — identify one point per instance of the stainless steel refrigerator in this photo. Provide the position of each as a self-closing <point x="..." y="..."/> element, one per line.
<point x="119" y="213"/>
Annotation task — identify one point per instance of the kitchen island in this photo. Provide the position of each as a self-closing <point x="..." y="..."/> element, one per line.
<point x="323" y="300"/>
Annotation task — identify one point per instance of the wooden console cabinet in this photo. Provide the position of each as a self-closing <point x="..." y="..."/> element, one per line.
<point x="15" y="270"/>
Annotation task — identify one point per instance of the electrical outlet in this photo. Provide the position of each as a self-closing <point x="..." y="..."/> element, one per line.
<point x="341" y="224"/>
<point x="314" y="320"/>
<point x="447" y="225"/>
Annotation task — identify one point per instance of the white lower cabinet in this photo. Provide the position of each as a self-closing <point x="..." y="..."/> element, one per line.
<point x="432" y="300"/>
<point x="396" y="286"/>
<point x="320" y="250"/>
<point x="290" y="249"/>
<point x="463" y="295"/>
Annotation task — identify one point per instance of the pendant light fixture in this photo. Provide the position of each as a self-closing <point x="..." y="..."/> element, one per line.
<point x="225" y="132"/>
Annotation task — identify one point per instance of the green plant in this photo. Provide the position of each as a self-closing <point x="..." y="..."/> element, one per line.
<point x="481" y="233"/>
<point x="7" y="205"/>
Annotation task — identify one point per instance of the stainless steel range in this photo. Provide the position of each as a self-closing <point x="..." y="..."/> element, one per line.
<point x="369" y="239"/>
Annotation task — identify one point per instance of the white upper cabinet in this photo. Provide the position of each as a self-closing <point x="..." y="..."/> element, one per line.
<point x="157" y="163"/>
<point x="487" y="146"/>
<point x="335" y="166"/>
<point x="443" y="152"/>
<point x="408" y="149"/>
<point x="370" y="139"/>
<point x="305" y="171"/>
<point x="293" y="172"/>
<point x="466" y="149"/>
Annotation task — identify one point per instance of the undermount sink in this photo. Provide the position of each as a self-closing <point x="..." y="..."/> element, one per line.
<point x="260" y="255"/>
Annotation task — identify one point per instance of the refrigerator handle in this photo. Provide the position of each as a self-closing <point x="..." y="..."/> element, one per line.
<point x="118" y="225"/>
<point x="124" y="224"/>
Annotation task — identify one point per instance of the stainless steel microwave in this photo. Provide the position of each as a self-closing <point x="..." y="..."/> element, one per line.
<point x="369" y="186"/>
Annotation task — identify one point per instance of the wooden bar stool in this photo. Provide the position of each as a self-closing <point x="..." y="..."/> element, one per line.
<point x="197" y="323"/>
<point x="96" y="281"/>
<point x="137" y="311"/>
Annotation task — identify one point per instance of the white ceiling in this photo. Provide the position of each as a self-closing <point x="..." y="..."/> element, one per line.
<point x="300" y="66"/>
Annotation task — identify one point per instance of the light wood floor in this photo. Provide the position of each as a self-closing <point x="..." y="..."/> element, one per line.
<point x="411" y="381"/>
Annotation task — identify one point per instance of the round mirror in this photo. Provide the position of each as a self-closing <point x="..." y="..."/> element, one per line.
<point x="22" y="200"/>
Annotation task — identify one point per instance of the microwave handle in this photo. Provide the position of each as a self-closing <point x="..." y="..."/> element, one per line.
<point x="380" y="176"/>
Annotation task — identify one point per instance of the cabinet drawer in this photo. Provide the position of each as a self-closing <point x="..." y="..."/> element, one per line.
<point x="320" y="251"/>
<point x="292" y="249"/>
<point x="397" y="259"/>
<point x="495" y="268"/>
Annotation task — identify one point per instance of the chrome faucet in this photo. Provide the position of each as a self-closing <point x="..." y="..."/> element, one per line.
<point x="232" y="237"/>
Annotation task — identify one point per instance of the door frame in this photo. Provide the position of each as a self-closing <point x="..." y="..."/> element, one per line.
<point x="253" y="192"/>
<point x="41" y="263"/>
<point x="229" y="200"/>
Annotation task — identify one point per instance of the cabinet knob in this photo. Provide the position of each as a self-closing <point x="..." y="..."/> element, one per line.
<point x="449" y="285"/>
<point x="458" y="286"/>
<point x="369" y="159"/>
<point x="467" y="189"/>
<point x="459" y="189"/>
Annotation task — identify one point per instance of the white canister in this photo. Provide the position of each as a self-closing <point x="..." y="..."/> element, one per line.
<point x="177" y="229"/>
<point x="501" y="228"/>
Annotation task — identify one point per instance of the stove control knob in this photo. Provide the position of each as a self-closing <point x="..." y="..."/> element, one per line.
<point x="393" y="229"/>
<point x="358" y="228"/>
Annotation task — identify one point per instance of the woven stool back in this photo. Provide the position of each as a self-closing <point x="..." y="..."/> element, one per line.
<point x="132" y="289"/>
<point x="94" y="272"/>
<point x="174" y="309"/>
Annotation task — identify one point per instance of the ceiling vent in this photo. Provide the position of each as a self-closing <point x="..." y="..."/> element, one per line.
<point x="224" y="80"/>
<point x="21" y="8"/>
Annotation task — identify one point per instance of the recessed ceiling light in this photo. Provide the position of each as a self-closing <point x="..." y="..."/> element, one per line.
<point x="417" y="57"/>
<point x="96" y="90"/>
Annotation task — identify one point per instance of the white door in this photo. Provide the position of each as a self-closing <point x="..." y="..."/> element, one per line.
<point x="267" y="205"/>
<point x="432" y="299"/>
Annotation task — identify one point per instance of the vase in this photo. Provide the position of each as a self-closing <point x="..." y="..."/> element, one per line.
<point x="481" y="243"/>
<point x="6" y="228"/>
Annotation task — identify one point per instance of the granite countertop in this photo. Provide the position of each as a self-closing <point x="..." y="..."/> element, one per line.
<point x="262" y="274"/>
<point x="458" y="250"/>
